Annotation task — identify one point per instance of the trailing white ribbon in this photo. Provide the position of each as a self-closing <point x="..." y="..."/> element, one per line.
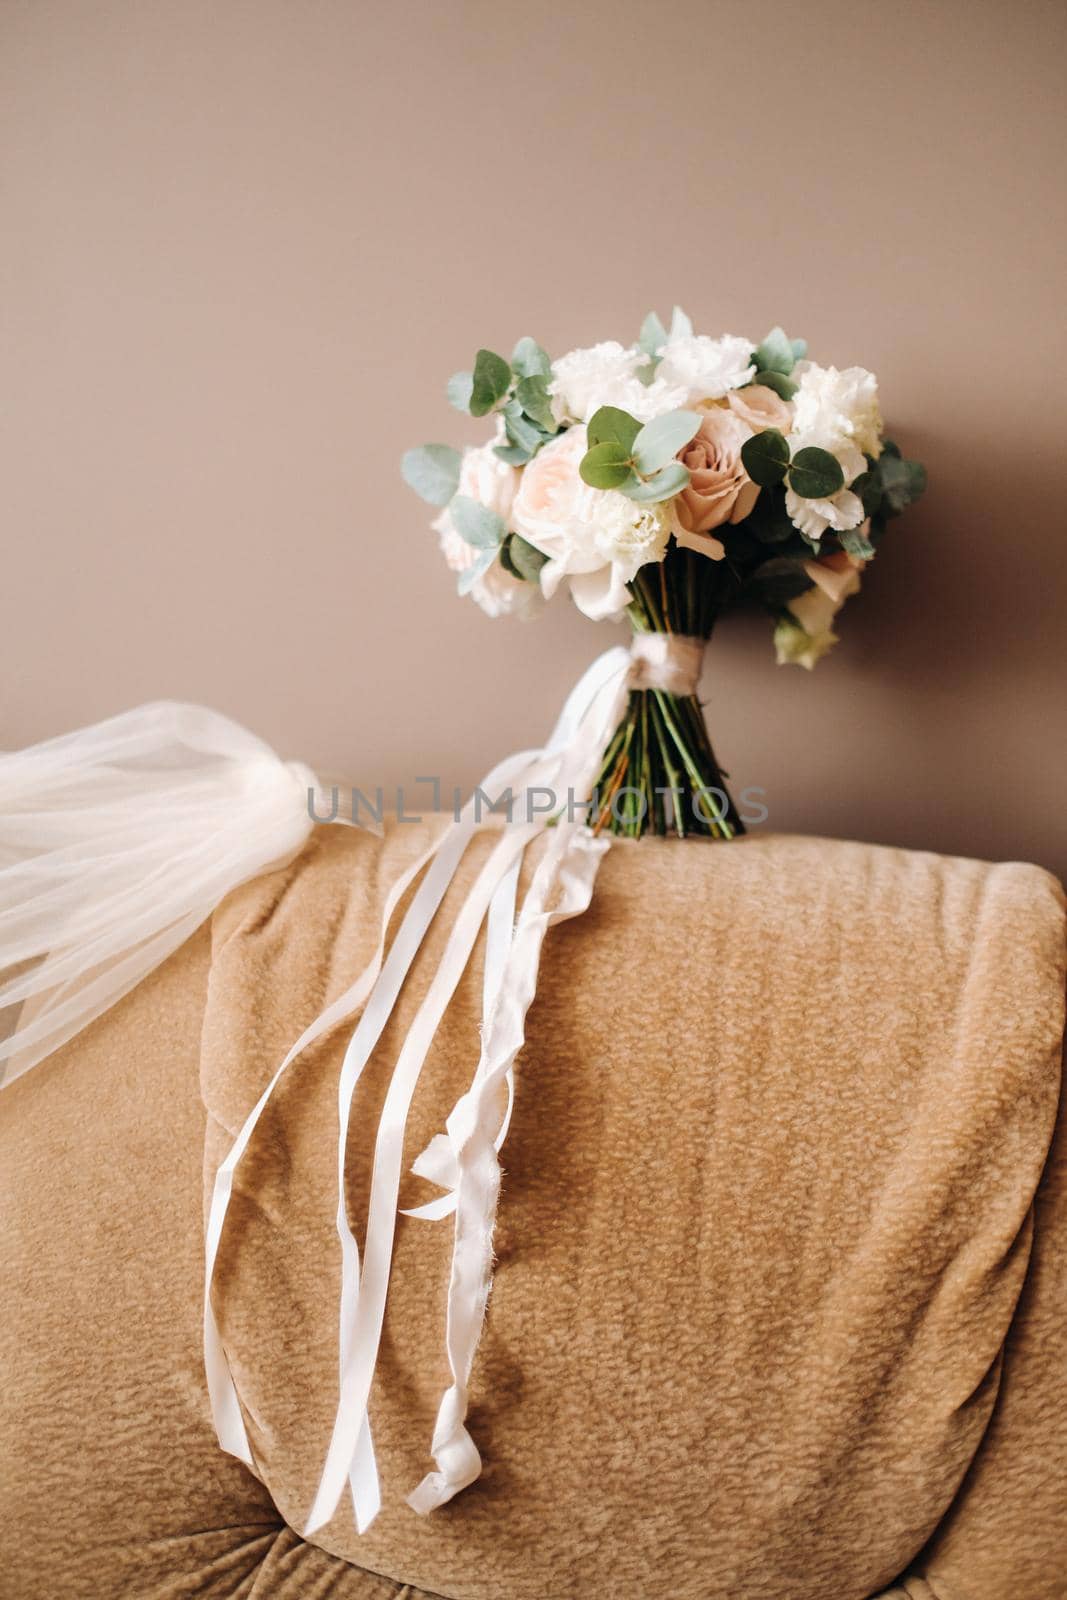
<point x="569" y="761"/>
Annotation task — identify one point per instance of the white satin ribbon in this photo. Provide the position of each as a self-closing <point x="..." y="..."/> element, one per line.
<point x="668" y="661"/>
<point x="569" y="763"/>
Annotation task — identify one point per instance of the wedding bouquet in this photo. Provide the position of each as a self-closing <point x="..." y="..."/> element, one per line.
<point x="665" y="481"/>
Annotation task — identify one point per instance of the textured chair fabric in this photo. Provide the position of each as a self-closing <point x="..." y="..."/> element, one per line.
<point x="780" y="1308"/>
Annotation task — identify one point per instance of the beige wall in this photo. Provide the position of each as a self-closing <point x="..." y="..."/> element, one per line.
<point x="247" y="242"/>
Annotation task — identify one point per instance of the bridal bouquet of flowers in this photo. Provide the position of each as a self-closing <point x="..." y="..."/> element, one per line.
<point x="664" y="481"/>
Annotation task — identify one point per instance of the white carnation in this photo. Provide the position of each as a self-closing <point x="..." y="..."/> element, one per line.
<point x="606" y="375"/>
<point x="706" y="369"/>
<point x="838" y="411"/>
<point x="840" y="511"/>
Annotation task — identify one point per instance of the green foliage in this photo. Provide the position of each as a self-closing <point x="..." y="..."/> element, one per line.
<point x="653" y="336"/>
<point x="460" y="389"/>
<point x="775" y="354"/>
<point x="783" y="386"/>
<point x="521" y="431"/>
<point x="468" y="578"/>
<point x="490" y="382"/>
<point x="606" y="465"/>
<point x="432" y="470"/>
<point x="768" y="521"/>
<point x="611" y="425"/>
<point x="780" y="580"/>
<point x="661" y="485"/>
<point x="815" y="474"/>
<point x="765" y="457"/>
<point x="477" y="524"/>
<point x="856" y="544"/>
<point x="521" y="559"/>
<point x="528" y="360"/>
<point x="902" y="481"/>
<point x="532" y="395"/>
<point x="681" y="327"/>
<point x="660" y="440"/>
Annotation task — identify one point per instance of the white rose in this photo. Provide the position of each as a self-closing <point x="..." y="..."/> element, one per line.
<point x="606" y="375"/>
<point x="595" y="538"/>
<point x="706" y="369"/>
<point x="487" y="479"/>
<point x="839" y="412"/>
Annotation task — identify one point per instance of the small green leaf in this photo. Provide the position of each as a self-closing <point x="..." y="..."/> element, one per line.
<point x="768" y="521"/>
<point x="460" y="389"/>
<point x="528" y="360"/>
<point x="815" y="474"/>
<point x="800" y="348"/>
<point x="477" y="524"/>
<point x="854" y="543"/>
<point x="783" y="386"/>
<point x="605" y="466"/>
<point x="681" y="327"/>
<point x="610" y="425"/>
<point x="896" y="477"/>
<point x="765" y="457"/>
<point x="467" y="579"/>
<point x="662" y="485"/>
<point x="869" y="488"/>
<point x="775" y="354"/>
<point x="522" y="559"/>
<point x="780" y="579"/>
<point x="513" y="454"/>
<point x="532" y="395"/>
<point x="490" y="382"/>
<point x="520" y="430"/>
<point x="432" y="470"/>
<point x="653" y="336"/>
<point x="661" y="439"/>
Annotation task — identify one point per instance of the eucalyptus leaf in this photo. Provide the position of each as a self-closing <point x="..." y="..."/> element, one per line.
<point x="528" y="360"/>
<point x="660" y="440"/>
<point x="800" y="348"/>
<point x="894" y="474"/>
<point x="775" y="354"/>
<point x="520" y="430"/>
<point x="432" y="470"/>
<point x="869" y="488"/>
<point x="610" y="424"/>
<point x="681" y="327"/>
<point x="513" y="454"/>
<point x="671" y="480"/>
<point x="783" y="386"/>
<point x="781" y="579"/>
<point x="468" y="578"/>
<point x="532" y="395"/>
<point x="482" y="528"/>
<point x="460" y="389"/>
<point x="856" y="544"/>
<point x="653" y="336"/>
<point x="490" y="382"/>
<point x="522" y="559"/>
<point x="765" y="457"/>
<point x="815" y="474"/>
<point x="605" y="466"/>
<point x="768" y="521"/>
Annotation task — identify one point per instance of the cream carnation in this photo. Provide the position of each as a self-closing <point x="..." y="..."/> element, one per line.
<point x="606" y="375"/>
<point x="706" y="369"/>
<point x="595" y="538"/>
<point x="839" y="412"/>
<point x="840" y="512"/>
<point x="805" y="636"/>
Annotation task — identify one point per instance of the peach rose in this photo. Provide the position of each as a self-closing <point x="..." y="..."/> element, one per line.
<point x="719" y="489"/>
<point x="761" y="408"/>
